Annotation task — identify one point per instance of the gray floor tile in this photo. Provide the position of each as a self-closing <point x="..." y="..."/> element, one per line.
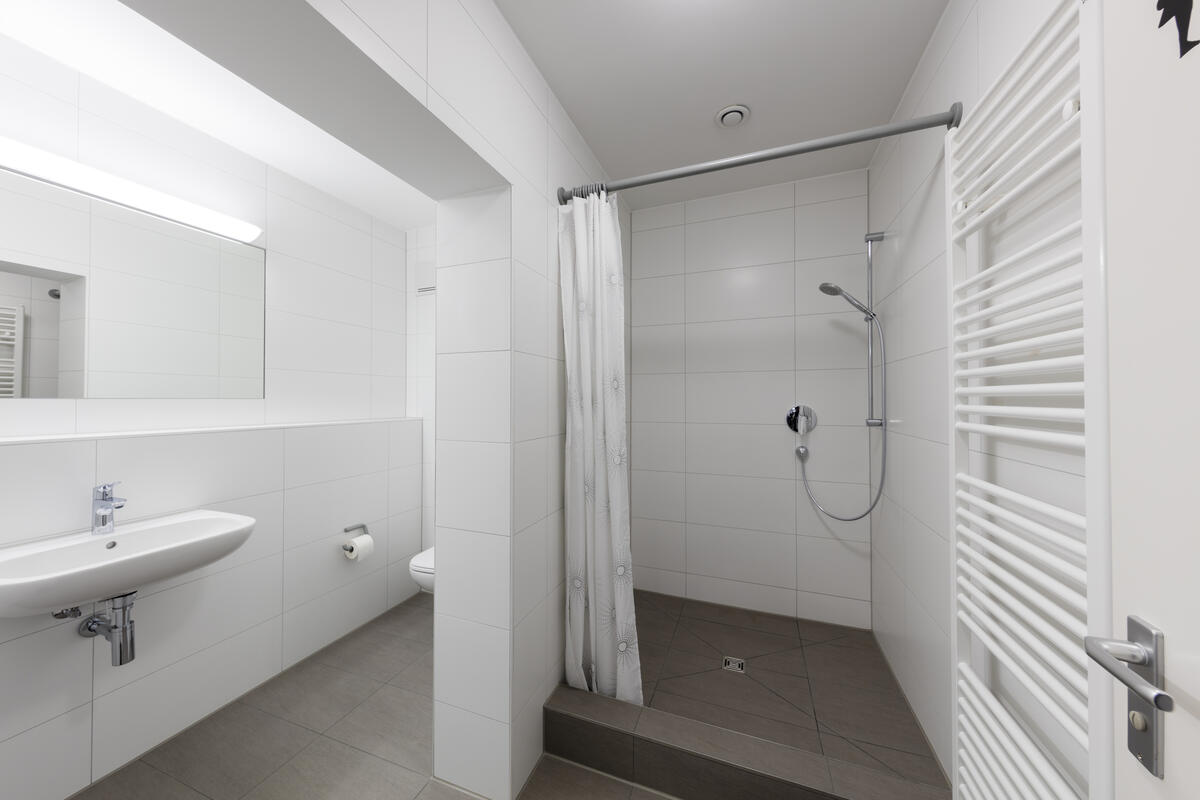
<point x="685" y="641"/>
<point x="139" y="781"/>
<point x="652" y="655"/>
<point x="682" y="662"/>
<point x="312" y="694"/>
<point x="850" y="665"/>
<point x="684" y="774"/>
<point x="330" y="770"/>
<point x="372" y="653"/>
<point x="804" y="738"/>
<point x="731" y="690"/>
<point x="859" y="783"/>
<point x="605" y="710"/>
<point x="667" y="604"/>
<point x="742" y="618"/>
<point x="881" y="718"/>
<point x="769" y="758"/>
<point x="406" y="621"/>
<point x="654" y="626"/>
<point x="843" y="749"/>
<point x="585" y="742"/>
<point x="812" y="631"/>
<point x="792" y="688"/>
<point x="394" y="724"/>
<point x="553" y="779"/>
<point x="922" y="769"/>
<point x="737" y="642"/>
<point x="420" y="600"/>
<point x="417" y="676"/>
<point x="789" y="662"/>
<point x="231" y="752"/>
<point x="436" y="790"/>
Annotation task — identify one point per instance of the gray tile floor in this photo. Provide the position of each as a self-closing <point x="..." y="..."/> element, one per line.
<point x="352" y="722"/>
<point x="808" y="685"/>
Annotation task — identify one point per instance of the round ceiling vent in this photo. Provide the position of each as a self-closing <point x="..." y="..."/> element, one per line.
<point x="732" y="116"/>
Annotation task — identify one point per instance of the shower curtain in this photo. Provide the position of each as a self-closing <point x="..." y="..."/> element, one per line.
<point x="601" y="636"/>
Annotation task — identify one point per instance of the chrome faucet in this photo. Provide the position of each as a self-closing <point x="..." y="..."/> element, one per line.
<point x="104" y="507"/>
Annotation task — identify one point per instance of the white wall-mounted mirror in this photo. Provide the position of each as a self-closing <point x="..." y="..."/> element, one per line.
<point x="97" y="300"/>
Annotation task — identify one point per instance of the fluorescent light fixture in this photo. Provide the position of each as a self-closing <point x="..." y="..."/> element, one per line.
<point x="55" y="169"/>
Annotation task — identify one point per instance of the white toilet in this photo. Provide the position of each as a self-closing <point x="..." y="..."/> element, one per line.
<point x="421" y="568"/>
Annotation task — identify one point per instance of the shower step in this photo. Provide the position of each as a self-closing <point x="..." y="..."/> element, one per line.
<point x="697" y="761"/>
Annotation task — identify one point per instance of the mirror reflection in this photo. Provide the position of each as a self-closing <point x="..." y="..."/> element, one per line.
<point x="100" y="301"/>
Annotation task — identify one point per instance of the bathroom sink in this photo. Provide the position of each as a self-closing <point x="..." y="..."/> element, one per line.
<point x="66" y="571"/>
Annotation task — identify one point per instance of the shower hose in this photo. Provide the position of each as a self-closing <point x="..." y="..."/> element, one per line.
<point x="882" y="430"/>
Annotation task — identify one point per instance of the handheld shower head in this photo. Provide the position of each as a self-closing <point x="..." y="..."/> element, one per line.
<point x="835" y="290"/>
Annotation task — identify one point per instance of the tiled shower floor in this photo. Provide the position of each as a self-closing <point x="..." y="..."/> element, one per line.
<point x="812" y="686"/>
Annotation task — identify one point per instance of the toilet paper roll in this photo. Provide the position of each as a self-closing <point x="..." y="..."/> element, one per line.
<point x="359" y="547"/>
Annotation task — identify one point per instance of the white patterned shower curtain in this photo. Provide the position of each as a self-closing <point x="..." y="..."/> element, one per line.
<point x="601" y="636"/>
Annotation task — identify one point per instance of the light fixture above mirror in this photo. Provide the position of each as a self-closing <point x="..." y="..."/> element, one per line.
<point x="42" y="165"/>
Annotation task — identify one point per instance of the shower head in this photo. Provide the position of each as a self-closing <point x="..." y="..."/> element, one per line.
<point x="835" y="290"/>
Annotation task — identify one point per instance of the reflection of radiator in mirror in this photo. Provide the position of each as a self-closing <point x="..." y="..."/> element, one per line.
<point x="12" y="350"/>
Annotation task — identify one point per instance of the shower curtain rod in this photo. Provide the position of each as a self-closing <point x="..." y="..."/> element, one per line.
<point x="949" y="118"/>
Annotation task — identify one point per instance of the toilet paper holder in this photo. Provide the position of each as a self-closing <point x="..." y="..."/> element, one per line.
<point x="349" y="548"/>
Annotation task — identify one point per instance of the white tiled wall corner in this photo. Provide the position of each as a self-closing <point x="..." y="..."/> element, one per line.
<point x="729" y="331"/>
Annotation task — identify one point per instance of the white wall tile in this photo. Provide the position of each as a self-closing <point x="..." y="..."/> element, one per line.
<point x="834" y="228"/>
<point x="829" y="566"/>
<point x="473" y="673"/>
<point x="754" y="596"/>
<point x="658" y="252"/>
<point x="657" y="544"/>
<point x="474" y="486"/>
<point x="530" y="392"/>
<point x="763" y="238"/>
<point x="46" y="488"/>
<point x="762" y="451"/>
<point x="741" y="555"/>
<point x="746" y="345"/>
<point x="310" y="626"/>
<point x="763" y="504"/>
<point x="657" y="495"/>
<point x="530" y="482"/>
<point x="658" y="348"/>
<point x="657" y="446"/>
<point x="737" y="397"/>
<point x="746" y="293"/>
<point x="473" y="228"/>
<point x="831" y="341"/>
<point x="32" y="762"/>
<point x="160" y="474"/>
<point x="657" y="301"/>
<point x="328" y="452"/>
<point x="659" y="580"/>
<point x="657" y="217"/>
<point x="835" y="610"/>
<point x="473" y="576"/>
<point x="473" y="748"/>
<point x="657" y="398"/>
<point x="473" y="307"/>
<point x="464" y="381"/>
<point x="765" y="198"/>
<point x="51" y="674"/>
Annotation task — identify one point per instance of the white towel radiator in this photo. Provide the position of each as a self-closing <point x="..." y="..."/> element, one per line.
<point x="1027" y="374"/>
<point x="12" y="350"/>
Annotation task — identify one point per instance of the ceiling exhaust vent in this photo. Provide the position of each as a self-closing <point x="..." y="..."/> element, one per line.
<point x="732" y="116"/>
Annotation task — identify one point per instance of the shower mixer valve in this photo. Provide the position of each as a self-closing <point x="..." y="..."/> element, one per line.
<point x="802" y="419"/>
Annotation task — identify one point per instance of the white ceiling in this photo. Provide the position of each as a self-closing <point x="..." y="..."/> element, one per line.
<point x="643" y="79"/>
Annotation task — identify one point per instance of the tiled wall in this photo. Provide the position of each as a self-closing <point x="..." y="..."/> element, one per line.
<point x="911" y="589"/>
<point x="730" y="331"/>
<point x="205" y="637"/>
<point x="499" y="378"/>
<point x="335" y="277"/>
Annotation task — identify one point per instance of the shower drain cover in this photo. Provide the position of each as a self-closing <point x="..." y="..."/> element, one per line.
<point x="734" y="664"/>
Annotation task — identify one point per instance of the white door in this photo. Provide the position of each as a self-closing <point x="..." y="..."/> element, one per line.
<point x="1152" y="164"/>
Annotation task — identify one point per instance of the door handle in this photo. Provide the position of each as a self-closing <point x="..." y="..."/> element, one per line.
<point x="1114" y="654"/>
<point x="1138" y="663"/>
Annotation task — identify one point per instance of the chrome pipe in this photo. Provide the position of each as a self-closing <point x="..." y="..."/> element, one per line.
<point x="949" y="119"/>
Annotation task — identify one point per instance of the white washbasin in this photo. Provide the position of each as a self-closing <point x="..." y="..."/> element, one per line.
<point x="67" y="571"/>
